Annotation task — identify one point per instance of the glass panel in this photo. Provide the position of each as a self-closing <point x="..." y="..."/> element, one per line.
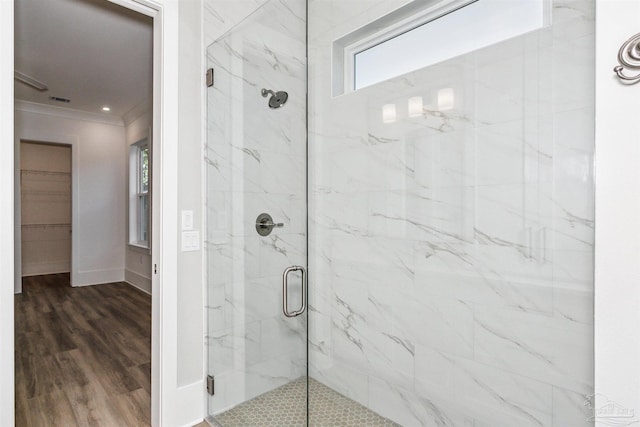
<point x="476" y="25"/>
<point x="256" y="163"/>
<point x="452" y="229"/>
<point x="144" y="169"/>
<point x="143" y="221"/>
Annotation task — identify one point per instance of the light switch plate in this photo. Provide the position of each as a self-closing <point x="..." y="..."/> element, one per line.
<point x="190" y="241"/>
<point x="187" y="220"/>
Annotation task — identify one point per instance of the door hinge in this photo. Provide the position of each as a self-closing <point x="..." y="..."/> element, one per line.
<point x="210" y="385"/>
<point x="210" y="77"/>
<point x="155" y="268"/>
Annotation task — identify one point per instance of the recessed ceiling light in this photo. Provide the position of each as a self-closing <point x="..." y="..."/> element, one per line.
<point x="105" y="108"/>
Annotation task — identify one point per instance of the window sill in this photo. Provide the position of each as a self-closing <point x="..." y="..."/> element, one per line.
<point x="140" y="247"/>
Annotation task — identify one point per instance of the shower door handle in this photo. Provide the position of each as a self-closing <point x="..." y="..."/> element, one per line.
<point x="285" y="291"/>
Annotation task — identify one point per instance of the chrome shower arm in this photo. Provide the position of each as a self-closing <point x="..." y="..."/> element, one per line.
<point x="266" y="92"/>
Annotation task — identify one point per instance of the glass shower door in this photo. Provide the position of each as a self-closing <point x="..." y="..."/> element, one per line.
<point x="257" y="219"/>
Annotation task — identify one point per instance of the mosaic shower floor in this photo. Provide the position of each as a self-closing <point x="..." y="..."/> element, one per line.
<point x="285" y="407"/>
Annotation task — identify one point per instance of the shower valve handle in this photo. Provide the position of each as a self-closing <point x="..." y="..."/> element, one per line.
<point x="271" y="224"/>
<point x="265" y="224"/>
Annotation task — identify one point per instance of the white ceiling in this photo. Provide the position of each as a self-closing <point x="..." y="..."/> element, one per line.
<point x="93" y="52"/>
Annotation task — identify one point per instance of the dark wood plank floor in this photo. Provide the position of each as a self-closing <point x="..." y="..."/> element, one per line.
<point x="82" y="354"/>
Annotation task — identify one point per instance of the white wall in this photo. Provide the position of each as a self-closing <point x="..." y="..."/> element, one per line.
<point x="137" y="260"/>
<point x="190" y="161"/>
<point x="98" y="187"/>
<point x="178" y="294"/>
<point x="617" y="262"/>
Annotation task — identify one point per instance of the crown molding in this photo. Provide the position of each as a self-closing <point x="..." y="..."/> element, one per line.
<point x="136" y="112"/>
<point x="50" y="110"/>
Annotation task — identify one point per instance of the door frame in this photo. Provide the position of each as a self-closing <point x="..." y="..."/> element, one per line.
<point x="164" y="134"/>
<point x="7" y="375"/>
<point x="165" y="406"/>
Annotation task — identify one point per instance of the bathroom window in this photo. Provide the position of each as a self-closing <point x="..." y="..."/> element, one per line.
<point x="139" y="185"/>
<point x="420" y="34"/>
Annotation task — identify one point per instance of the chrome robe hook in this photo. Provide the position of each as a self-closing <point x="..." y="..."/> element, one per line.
<point x="629" y="59"/>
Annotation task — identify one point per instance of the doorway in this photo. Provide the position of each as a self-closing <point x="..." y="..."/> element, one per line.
<point x="166" y="128"/>
<point x="82" y="320"/>
<point x="45" y="200"/>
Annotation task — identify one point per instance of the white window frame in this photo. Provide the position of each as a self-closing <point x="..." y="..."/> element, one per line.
<point x="402" y="20"/>
<point x="137" y="194"/>
<point x="394" y="29"/>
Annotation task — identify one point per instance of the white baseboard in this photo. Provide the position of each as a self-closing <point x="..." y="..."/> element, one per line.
<point x="40" y="269"/>
<point x="188" y="409"/>
<point x="98" y="277"/>
<point x="138" y="281"/>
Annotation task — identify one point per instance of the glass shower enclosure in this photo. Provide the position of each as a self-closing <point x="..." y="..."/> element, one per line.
<point x="427" y="258"/>
<point x="257" y="213"/>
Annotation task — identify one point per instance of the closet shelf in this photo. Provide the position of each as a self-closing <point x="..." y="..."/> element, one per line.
<point x="37" y="172"/>
<point x="44" y="225"/>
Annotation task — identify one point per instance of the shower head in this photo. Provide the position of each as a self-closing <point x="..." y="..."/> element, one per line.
<point x="277" y="100"/>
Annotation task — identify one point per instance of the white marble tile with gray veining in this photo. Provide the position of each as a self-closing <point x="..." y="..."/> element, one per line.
<point x="465" y="232"/>
<point x="450" y="248"/>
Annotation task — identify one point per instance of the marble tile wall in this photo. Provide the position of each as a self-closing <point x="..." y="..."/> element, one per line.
<point x="220" y="16"/>
<point x="256" y="162"/>
<point x="451" y="254"/>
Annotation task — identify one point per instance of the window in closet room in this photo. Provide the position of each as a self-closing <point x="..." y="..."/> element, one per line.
<point x="139" y="186"/>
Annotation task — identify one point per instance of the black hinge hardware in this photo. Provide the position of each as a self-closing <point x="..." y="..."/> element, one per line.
<point x="210" y="385"/>
<point x="210" y="77"/>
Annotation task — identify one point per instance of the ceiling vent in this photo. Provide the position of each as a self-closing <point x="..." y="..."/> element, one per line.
<point x="55" y="98"/>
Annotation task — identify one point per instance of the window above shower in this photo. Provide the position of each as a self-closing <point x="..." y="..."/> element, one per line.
<point x="426" y="32"/>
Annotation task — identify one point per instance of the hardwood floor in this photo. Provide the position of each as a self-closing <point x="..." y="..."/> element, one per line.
<point x="83" y="355"/>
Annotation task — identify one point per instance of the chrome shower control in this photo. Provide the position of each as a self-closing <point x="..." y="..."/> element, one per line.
<point x="265" y="224"/>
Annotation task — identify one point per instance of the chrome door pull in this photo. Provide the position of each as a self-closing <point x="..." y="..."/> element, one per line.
<point x="285" y="291"/>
